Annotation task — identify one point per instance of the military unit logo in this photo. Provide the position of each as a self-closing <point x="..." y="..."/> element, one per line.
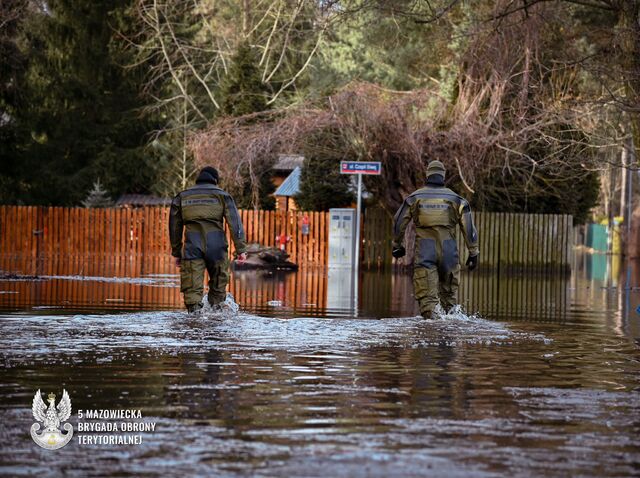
<point x="51" y="437"/>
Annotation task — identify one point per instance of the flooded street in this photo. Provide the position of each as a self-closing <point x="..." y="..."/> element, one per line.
<point x="544" y="379"/>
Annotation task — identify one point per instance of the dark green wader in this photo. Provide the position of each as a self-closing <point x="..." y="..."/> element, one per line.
<point x="436" y="271"/>
<point x="195" y="261"/>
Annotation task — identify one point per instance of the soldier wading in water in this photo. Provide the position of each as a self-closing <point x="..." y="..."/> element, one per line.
<point x="200" y="212"/>
<point x="436" y="212"/>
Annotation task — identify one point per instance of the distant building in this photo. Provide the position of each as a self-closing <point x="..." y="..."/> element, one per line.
<point x="133" y="201"/>
<point x="286" y="192"/>
<point x="286" y="179"/>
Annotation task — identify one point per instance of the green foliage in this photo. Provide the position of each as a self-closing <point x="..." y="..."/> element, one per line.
<point x="79" y="115"/>
<point x="243" y="92"/>
<point x="174" y="167"/>
<point x="242" y="89"/>
<point x="374" y="46"/>
<point x="12" y="69"/>
<point x="322" y="187"/>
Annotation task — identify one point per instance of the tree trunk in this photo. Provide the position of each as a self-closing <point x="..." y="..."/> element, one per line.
<point x="629" y="24"/>
<point x="623" y="183"/>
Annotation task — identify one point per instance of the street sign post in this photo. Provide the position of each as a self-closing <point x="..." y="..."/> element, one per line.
<point x="359" y="168"/>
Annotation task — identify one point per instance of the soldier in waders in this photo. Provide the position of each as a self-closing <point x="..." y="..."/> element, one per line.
<point x="436" y="212"/>
<point x="200" y="212"/>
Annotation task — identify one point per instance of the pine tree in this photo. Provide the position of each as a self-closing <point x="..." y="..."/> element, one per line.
<point x="82" y="105"/>
<point x="243" y="92"/>
<point x="12" y="69"/>
<point x="242" y="89"/>
<point x="322" y="187"/>
<point x="97" y="197"/>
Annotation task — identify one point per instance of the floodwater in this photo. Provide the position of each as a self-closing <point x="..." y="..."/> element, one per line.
<point x="544" y="379"/>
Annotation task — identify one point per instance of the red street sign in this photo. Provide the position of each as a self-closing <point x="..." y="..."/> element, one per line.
<point x="360" y="167"/>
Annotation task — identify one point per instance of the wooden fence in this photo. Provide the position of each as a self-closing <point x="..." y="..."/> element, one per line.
<point x="522" y="241"/>
<point x="509" y="241"/>
<point x="129" y="242"/>
<point x="134" y="242"/>
<point x="377" y="235"/>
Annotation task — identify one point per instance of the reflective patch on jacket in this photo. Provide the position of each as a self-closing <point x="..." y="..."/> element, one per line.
<point x="434" y="212"/>
<point x="193" y="202"/>
<point x="200" y="208"/>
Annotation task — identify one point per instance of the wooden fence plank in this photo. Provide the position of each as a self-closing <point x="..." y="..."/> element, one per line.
<point x="25" y="243"/>
<point x="47" y="239"/>
<point x="4" y="230"/>
<point x="19" y="237"/>
<point x="61" y="242"/>
<point x="4" y="239"/>
<point x="102" y="233"/>
<point x="15" y="243"/>
<point x="62" y="227"/>
<point x="92" y="242"/>
<point x="89" y="242"/>
<point x="61" y="249"/>
<point x="120" y="242"/>
<point x="84" y="239"/>
<point x="61" y="264"/>
<point x="97" y="252"/>
<point x="34" y="239"/>
<point x="24" y="238"/>
<point x="58" y="241"/>
<point x="75" y="226"/>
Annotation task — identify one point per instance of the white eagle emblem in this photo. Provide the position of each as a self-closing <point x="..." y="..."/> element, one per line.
<point x="51" y="438"/>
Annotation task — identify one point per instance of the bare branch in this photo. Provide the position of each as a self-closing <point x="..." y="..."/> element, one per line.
<point x="193" y="70"/>
<point x="174" y="75"/>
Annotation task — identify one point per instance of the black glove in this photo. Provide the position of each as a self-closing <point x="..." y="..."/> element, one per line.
<point x="472" y="262"/>
<point x="398" y="252"/>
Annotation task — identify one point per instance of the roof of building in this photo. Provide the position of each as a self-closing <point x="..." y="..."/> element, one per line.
<point x="291" y="185"/>
<point x="139" y="200"/>
<point x="288" y="162"/>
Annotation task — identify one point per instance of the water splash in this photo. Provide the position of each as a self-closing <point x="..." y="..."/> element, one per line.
<point x="226" y="309"/>
<point x="457" y="312"/>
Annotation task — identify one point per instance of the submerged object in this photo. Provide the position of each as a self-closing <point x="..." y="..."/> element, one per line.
<point x="269" y="258"/>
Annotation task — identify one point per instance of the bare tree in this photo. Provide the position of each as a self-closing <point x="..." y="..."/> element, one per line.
<point x="187" y="41"/>
<point x="187" y="46"/>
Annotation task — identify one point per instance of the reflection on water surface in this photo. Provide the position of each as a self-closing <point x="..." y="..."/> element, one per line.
<point x="546" y="381"/>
